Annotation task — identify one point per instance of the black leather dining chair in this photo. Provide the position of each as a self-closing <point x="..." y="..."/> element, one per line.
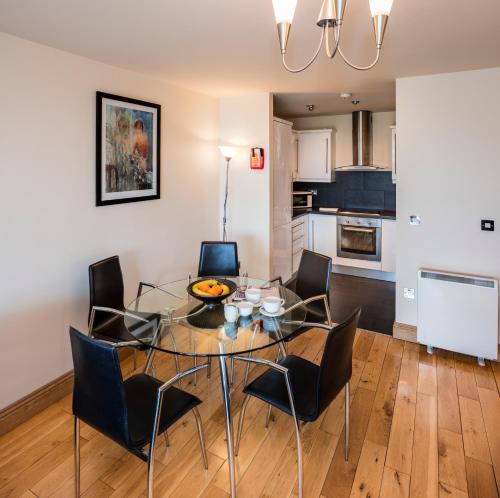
<point x="132" y="412"/>
<point x="218" y="259"/>
<point x="313" y="386"/>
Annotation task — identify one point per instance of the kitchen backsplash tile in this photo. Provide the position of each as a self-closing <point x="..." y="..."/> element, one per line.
<point x="354" y="190"/>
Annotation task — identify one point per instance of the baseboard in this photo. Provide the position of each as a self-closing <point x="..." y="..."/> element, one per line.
<point x="404" y="331"/>
<point x="23" y="409"/>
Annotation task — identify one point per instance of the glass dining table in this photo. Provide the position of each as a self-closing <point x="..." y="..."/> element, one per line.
<point x="166" y="318"/>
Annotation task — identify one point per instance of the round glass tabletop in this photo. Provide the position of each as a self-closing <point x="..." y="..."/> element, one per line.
<point x="167" y="318"/>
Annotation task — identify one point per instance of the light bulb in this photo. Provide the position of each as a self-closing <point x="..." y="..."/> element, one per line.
<point x="227" y="151"/>
<point x="380" y="7"/>
<point x="284" y="10"/>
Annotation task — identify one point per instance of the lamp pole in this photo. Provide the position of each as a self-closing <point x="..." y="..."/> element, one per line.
<point x="224" y="218"/>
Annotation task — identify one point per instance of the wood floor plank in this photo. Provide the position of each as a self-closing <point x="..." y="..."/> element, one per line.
<point x="97" y="489"/>
<point x="374" y="362"/>
<point x="396" y="347"/>
<point x="363" y="345"/>
<point x="395" y="484"/>
<point x="447" y="491"/>
<point x="490" y="405"/>
<point x="480" y="479"/>
<point x="473" y="430"/>
<point x="466" y="380"/>
<point x="400" y="448"/>
<point x="424" y="472"/>
<point x="379" y="427"/>
<point x="427" y="374"/>
<point x="368" y="478"/>
<point x="448" y="407"/>
<point x="484" y="377"/>
<point x="451" y="459"/>
<point x="495" y="366"/>
<point x="340" y="476"/>
<point x="408" y="377"/>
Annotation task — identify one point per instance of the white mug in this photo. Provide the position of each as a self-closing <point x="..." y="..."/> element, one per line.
<point x="273" y="304"/>
<point x="230" y="312"/>
<point x="245" y="308"/>
<point x="253" y="295"/>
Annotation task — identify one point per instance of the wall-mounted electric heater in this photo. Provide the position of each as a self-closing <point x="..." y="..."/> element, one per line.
<point x="458" y="312"/>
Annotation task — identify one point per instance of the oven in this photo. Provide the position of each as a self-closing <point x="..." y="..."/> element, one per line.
<point x="359" y="238"/>
<point x="302" y="200"/>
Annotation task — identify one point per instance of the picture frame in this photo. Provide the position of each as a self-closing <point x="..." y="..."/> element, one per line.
<point x="128" y="163"/>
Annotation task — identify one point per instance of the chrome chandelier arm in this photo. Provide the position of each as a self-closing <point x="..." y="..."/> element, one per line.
<point x="336" y="36"/>
<point x="302" y="68"/>
<point x="360" y="68"/>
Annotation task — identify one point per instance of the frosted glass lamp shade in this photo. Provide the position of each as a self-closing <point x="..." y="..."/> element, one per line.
<point x="284" y="10"/>
<point x="227" y="151"/>
<point x="380" y="7"/>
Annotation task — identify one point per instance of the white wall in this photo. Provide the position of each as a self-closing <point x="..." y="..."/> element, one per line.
<point x="381" y="135"/>
<point x="50" y="227"/>
<point x="449" y="174"/>
<point x="246" y="121"/>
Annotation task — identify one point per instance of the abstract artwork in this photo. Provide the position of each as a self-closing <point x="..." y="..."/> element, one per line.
<point x="127" y="150"/>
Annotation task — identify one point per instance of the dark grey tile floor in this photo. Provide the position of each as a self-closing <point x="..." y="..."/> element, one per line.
<point x="376" y="298"/>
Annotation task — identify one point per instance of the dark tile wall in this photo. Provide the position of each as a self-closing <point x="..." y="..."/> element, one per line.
<point x="355" y="190"/>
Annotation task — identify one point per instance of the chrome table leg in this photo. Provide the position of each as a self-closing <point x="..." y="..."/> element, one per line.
<point x="229" y="421"/>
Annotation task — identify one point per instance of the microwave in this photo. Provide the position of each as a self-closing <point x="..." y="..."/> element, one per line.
<point x="302" y="200"/>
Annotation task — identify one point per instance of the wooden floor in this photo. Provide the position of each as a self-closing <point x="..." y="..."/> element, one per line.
<point x="422" y="426"/>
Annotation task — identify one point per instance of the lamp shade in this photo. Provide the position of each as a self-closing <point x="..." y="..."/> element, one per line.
<point x="380" y="7"/>
<point x="284" y="10"/>
<point x="228" y="151"/>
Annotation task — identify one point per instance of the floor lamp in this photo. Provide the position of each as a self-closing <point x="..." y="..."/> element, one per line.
<point x="228" y="153"/>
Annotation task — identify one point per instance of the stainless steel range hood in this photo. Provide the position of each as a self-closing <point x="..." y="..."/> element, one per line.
<point x="361" y="144"/>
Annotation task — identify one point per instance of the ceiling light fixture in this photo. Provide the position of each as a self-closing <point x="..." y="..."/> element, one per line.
<point x="331" y="16"/>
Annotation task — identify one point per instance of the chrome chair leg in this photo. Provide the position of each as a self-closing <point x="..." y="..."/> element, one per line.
<point x="195" y="362"/>
<point x="76" y="444"/>
<point x="247" y="370"/>
<point x="201" y="436"/>
<point x="240" y="423"/>
<point x="347" y="403"/>
<point x="268" y="416"/>
<point x="231" y="375"/>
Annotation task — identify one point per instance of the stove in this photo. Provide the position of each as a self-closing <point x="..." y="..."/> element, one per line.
<point x="364" y="213"/>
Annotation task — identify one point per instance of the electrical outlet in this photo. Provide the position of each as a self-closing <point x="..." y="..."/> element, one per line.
<point x="488" y="225"/>
<point x="415" y="220"/>
<point x="314" y="191"/>
<point x="409" y="293"/>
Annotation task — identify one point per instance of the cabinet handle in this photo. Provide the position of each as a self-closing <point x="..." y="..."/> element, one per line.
<point x="326" y="157"/>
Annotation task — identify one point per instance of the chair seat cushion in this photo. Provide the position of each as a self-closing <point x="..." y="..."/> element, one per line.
<point x="271" y="387"/>
<point x="141" y="392"/>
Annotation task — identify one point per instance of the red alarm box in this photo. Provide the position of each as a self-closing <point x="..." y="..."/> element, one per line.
<point x="257" y="158"/>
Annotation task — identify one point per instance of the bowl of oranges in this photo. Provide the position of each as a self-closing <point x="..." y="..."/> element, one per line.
<point x="211" y="291"/>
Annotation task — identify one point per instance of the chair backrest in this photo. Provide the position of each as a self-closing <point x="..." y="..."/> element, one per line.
<point x="99" y="397"/>
<point x="218" y="259"/>
<point x="313" y="275"/>
<point x="106" y="286"/>
<point x="336" y="363"/>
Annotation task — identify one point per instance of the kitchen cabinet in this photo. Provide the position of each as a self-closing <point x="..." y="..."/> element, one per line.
<point x="393" y="154"/>
<point x="294" y="155"/>
<point x="282" y="252"/>
<point x="389" y="245"/>
<point x="323" y="234"/>
<point x="300" y="240"/>
<point x="281" y="178"/>
<point x="315" y="156"/>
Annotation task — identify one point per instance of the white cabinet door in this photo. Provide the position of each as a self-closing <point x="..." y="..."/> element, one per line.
<point x="389" y="245"/>
<point x="282" y="252"/>
<point x="323" y="234"/>
<point x="393" y="155"/>
<point x="281" y="174"/>
<point x="315" y="156"/>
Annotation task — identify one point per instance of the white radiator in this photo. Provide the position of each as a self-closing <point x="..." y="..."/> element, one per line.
<point x="458" y="312"/>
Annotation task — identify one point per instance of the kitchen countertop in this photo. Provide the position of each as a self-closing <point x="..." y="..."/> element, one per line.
<point x="384" y="214"/>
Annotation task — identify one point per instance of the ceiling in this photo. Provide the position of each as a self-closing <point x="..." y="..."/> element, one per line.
<point x="225" y="47"/>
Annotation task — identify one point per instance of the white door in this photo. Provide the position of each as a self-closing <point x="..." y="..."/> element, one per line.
<point x="314" y="158"/>
<point x="281" y="174"/>
<point x="323" y="234"/>
<point x="282" y="252"/>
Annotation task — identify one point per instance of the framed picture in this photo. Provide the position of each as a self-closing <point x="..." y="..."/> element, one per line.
<point x="127" y="150"/>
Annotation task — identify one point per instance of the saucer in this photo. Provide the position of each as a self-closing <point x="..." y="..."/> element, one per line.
<point x="263" y="312"/>
<point x="258" y="304"/>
